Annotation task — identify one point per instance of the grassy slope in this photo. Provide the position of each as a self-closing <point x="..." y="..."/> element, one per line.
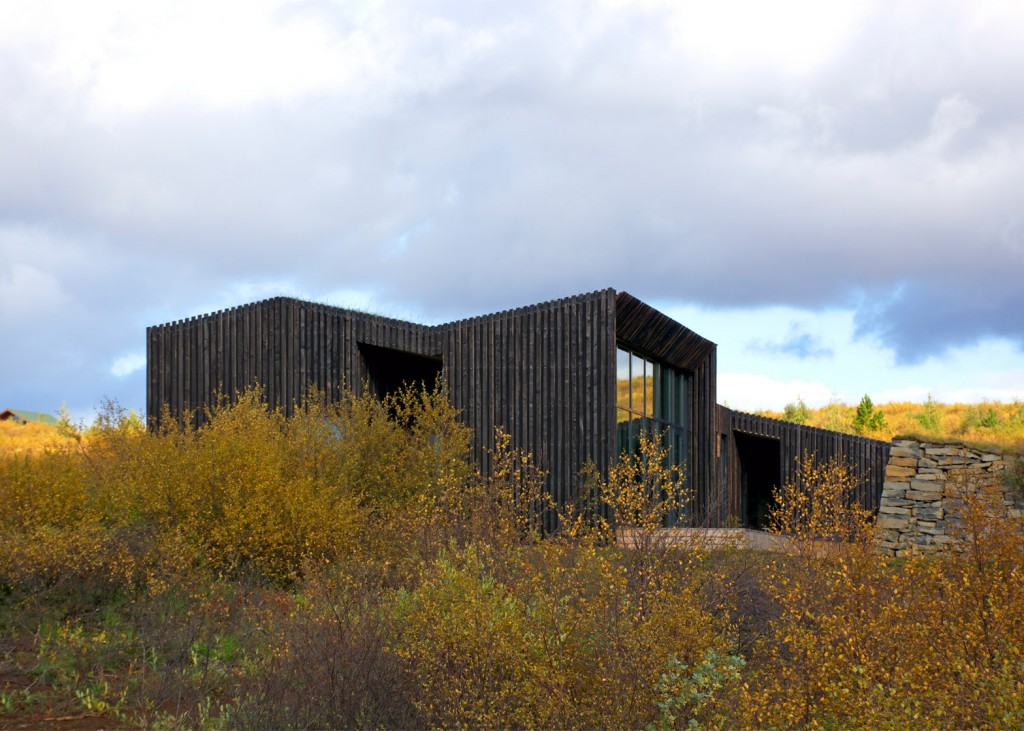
<point x="970" y="424"/>
<point x="27" y="438"/>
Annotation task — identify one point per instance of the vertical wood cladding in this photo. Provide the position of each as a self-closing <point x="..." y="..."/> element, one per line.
<point x="283" y="345"/>
<point x="866" y="457"/>
<point x="545" y="373"/>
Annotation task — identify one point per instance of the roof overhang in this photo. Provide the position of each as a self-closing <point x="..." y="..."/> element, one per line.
<point x="640" y="327"/>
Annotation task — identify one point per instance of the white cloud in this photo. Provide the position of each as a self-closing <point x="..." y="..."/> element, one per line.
<point x="127" y="364"/>
<point x="753" y="392"/>
<point x="27" y="295"/>
<point x="447" y="159"/>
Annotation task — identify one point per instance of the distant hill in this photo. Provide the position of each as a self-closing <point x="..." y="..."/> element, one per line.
<point x="990" y="424"/>
<point x="28" y="437"/>
<point x="21" y="416"/>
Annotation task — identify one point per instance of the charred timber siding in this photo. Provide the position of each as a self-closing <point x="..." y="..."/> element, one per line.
<point x="283" y="345"/>
<point x="546" y="375"/>
<point x="866" y="457"/>
<point x="642" y="329"/>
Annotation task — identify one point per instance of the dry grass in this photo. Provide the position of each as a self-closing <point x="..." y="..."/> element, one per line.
<point x="16" y="438"/>
<point x="988" y="425"/>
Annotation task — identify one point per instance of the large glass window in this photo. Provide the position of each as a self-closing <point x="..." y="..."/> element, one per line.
<point x="650" y="396"/>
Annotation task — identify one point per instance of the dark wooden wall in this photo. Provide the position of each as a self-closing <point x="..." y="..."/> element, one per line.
<point x="546" y="375"/>
<point x="543" y="373"/>
<point x="866" y="457"/>
<point x="282" y="344"/>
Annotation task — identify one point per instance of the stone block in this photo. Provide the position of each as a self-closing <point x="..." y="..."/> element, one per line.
<point x="898" y="502"/>
<point x="894" y="510"/>
<point x="909" y="445"/>
<point x="944" y="451"/>
<point x="903" y="461"/>
<point x="951" y="461"/>
<point x="927" y="486"/>
<point x="922" y="496"/>
<point x="929" y="513"/>
<point x="889" y="535"/>
<point x="929" y="474"/>
<point x="926" y="463"/>
<point x="891" y="522"/>
<point x="991" y="457"/>
<point x="895" y="471"/>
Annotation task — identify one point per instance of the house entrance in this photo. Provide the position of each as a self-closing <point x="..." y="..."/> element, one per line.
<point x="389" y="369"/>
<point x="760" y="473"/>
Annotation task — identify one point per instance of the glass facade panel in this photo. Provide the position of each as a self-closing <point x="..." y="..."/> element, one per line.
<point x="653" y="396"/>
<point x="636" y="384"/>
<point x="648" y="388"/>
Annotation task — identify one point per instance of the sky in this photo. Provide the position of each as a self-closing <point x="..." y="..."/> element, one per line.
<point x="832" y="192"/>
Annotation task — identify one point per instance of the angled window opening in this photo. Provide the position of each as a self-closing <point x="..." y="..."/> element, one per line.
<point x="389" y="370"/>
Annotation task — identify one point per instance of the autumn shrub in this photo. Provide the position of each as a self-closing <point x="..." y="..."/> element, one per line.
<point x="859" y="640"/>
<point x="248" y="492"/>
<point x="970" y="629"/>
<point x="564" y="639"/>
<point x="27" y="438"/>
<point x="829" y="640"/>
<point x="507" y="630"/>
<point x="349" y="567"/>
<point x="330" y="659"/>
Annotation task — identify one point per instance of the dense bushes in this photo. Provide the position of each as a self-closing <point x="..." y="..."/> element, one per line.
<point x="348" y="568"/>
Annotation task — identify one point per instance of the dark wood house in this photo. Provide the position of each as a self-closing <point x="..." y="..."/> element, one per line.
<point x="572" y="381"/>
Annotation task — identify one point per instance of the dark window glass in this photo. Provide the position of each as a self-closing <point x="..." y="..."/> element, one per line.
<point x="651" y="395"/>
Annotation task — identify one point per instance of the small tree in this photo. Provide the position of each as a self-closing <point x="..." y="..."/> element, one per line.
<point x="867" y="419"/>
<point x="931" y="417"/>
<point x="797" y="413"/>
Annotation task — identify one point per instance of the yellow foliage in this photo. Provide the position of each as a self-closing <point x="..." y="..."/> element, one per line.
<point x="986" y="425"/>
<point x="348" y="567"/>
<point x="31" y="438"/>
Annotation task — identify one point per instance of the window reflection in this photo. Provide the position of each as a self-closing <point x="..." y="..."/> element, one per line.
<point x="622" y="384"/>
<point x="650" y="396"/>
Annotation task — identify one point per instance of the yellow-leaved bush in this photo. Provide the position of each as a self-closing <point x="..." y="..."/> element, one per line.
<point x="348" y="566"/>
<point x="249" y="492"/>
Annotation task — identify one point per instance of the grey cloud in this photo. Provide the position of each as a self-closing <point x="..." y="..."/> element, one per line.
<point x="798" y="343"/>
<point x="526" y="153"/>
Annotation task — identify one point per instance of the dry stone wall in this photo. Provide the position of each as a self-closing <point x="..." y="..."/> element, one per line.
<point x="918" y="510"/>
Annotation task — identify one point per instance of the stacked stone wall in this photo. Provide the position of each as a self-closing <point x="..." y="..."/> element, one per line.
<point x="918" y="510"/>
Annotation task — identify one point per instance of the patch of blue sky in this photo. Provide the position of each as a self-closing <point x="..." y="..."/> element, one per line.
<point x="770" y="356"/>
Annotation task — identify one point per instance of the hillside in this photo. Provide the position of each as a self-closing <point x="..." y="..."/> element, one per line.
<point x="28" y="438"/>
<point x="988" y="425"/>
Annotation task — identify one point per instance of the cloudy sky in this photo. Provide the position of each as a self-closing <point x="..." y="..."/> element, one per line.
<point x="833" y="192"/>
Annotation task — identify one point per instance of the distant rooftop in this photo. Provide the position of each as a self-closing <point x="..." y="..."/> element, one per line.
<point x="25" y="417"/>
